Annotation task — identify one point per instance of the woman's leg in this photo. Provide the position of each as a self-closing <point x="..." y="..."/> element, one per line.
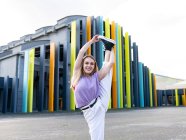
<point x="95" y="117"/>
<point x="105" y="83"/>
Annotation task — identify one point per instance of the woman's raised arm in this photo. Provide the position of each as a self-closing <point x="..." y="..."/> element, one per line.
<point x="82" y="51"/>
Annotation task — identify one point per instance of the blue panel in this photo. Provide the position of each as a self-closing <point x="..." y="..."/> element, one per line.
<point x="56" y="78"/>
<point x="41" y="78"/>
<point x="99" y="45"/>
<point x="165" y="97"/>
<point x="14" y="95"/>
<point x="136" y="75"/>
<point x="5" y="95"/>
<point x="25" y="82"/>
<point x="141" y="85"/>
<point x="93" y="32"/>
<point x="66" y="69"/>
<point x="1" y="82"/>
<point x="148" y="87"/>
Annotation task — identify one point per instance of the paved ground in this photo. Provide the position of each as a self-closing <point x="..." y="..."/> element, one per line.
<point x="167" y="123"/>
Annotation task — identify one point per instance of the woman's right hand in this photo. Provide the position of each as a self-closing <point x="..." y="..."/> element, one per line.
<point x="95" y="38"/>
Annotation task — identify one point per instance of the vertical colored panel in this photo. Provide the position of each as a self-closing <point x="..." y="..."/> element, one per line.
<point x="99" y="44"/>
<point x="165" y="97"/>
<point x="173" y="99"/>
<point x="5" y="94"/>
<point x="147" y="86"/>
<point x="30" y="79"/>
<point x="89" y="33"/>
<point x="14" y="95"/>
<point x="152" y="82"/>
<point x="107" y="34"/>
<point x="131" y="72"/>
<point x="183" y="97"/>
<point x="136" y="75"/>
<point x="176" y="96"/>
<point x="155" y="92"/>
<point x="107" y="28"/>
<point x="51" y="78"/>
<point x="56" y="78"/>
<point x="141" y="86"/>
<point x="72" y="59"/>
<point x="84" y="31"/>
<point x="118" y="67"/>
<point x="93" y="32"/>
<point x="41" y="78"/>
<point x="160" y="97"/>
<point x="150" y="88"/>
<point x="114" y="79"/>
<point x="78" y="45"/>
<point x="123" y="67"/>
<point x="66" y="69"/>
<point x="127" y="63"/>
<point x="25" y="82"/>
<point x="144" y="85"/>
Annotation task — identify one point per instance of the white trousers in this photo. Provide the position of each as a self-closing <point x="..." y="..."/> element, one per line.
<point x="95" y="116"/>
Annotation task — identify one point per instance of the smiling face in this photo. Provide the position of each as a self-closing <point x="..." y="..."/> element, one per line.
<point x="88" y="65"/>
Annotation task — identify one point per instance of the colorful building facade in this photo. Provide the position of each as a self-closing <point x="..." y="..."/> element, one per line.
<point x="36" y="70"/>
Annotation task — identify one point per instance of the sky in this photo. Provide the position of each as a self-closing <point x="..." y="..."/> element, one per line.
<point x="157" y="26"/>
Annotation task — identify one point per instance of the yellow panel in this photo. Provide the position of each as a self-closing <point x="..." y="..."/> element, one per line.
<point x="72" y="60"/>
<point x="107" y="34"/>
<point x="107" y="28"/>
<point x="114" y="78"/>
<point x="127" y="63"/>
<point x="150" y="88"/>
<point x="176" y="96"/>
<point x="30" y="79"/>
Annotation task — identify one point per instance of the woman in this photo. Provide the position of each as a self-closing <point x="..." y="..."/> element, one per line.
<point x="92" y="87"/>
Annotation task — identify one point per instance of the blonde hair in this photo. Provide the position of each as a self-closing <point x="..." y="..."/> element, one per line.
<point x="80" y="72"/>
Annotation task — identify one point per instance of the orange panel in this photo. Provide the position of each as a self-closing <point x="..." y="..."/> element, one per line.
<point x="155" y="93"/>
<point x="51" y="78"/>
<point x="89" y="33"/>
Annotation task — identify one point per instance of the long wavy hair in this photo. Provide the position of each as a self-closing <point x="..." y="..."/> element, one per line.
<point x="81" y="72"/>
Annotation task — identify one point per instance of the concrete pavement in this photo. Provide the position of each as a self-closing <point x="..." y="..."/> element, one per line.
<point x="164" y="123"/>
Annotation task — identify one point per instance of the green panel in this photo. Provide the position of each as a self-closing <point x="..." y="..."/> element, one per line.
<point x="120" y="66"/>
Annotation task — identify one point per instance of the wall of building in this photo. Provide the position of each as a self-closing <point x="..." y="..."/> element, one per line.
<point x="8" y="66"/>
